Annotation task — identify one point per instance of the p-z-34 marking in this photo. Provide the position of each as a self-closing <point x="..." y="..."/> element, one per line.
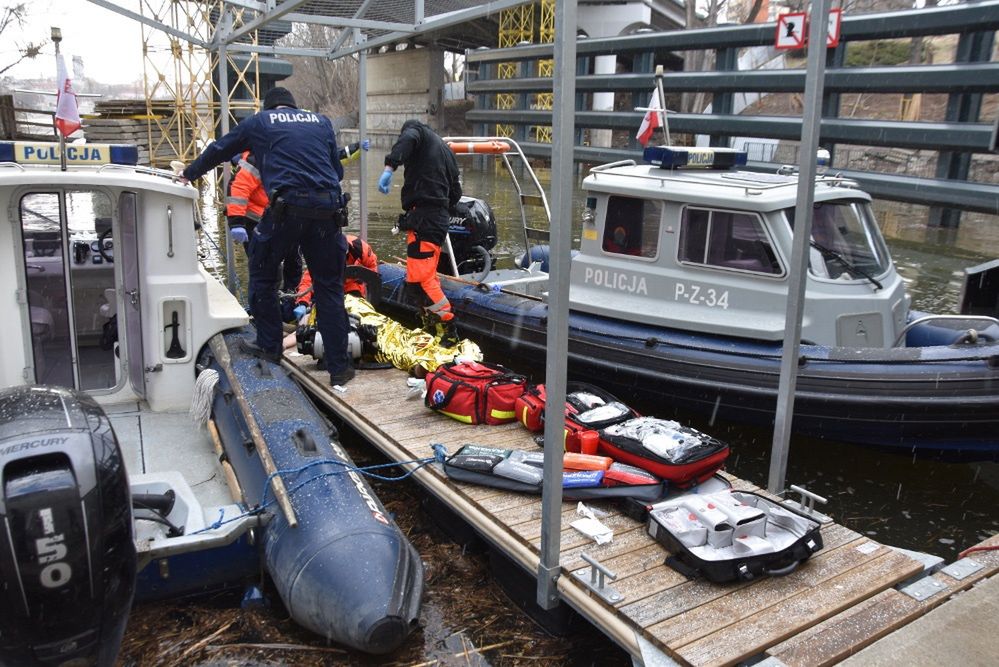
<point x="700" y="296"/>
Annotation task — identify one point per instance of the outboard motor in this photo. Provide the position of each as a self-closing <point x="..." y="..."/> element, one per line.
<point x="67" y="555"/>
<point x="473" y="238"/>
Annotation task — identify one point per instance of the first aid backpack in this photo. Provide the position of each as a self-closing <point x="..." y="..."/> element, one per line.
<point x="474" y="392"/>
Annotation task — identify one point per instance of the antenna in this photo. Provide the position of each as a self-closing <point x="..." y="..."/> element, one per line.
<point x="662" y="104"/>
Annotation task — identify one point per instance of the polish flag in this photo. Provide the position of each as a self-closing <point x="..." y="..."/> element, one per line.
<point x="651" y="121"/>
<point x="67" y="116"/>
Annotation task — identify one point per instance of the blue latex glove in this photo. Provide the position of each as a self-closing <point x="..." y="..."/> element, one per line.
<point x="366" y="144"/>
<point x="300" y="311"/>
<point x="385" y="182"/>
<point x="239" y="234"/>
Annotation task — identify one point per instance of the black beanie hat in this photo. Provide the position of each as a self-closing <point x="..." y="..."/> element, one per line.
<point x="279" y="96"/>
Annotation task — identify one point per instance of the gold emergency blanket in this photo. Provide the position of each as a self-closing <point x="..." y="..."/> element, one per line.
<point x="407" y="348"/>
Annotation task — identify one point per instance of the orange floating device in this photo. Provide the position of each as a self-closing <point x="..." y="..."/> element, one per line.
<point x="480" y="147"/>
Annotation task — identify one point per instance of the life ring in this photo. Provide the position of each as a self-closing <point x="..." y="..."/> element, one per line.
<point x="480" y="147"/>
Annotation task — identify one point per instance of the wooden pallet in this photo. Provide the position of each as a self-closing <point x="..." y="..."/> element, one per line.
<point x="695" y="622"/>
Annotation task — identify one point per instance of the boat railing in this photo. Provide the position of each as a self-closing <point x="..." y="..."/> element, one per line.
<point x="502" y="148"/>
<point x="153" y="171"/>
<point x="966" y="336"/>
<point x="758" y="183"/>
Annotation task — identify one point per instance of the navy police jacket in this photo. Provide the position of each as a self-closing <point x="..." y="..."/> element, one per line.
<point x="295" y="150"/>
<point x="431" y="168"/>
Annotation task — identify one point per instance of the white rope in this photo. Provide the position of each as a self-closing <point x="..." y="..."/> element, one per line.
<point x="204" y="392"/>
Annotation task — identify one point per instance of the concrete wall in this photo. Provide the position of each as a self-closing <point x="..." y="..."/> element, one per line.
<point x="403" y="85"/>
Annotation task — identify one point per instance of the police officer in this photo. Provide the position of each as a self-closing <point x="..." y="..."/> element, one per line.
<point x="430" y="191"/>
<point x="297" y="156"/>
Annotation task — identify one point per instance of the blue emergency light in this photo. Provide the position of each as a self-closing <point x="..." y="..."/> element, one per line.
<point x="42" y="152"/>
<point x="669" y="157"/>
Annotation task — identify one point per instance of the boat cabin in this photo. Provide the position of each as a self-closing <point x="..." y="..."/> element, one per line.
<point x="107" y="291"/>
<point x="691" y="242"/>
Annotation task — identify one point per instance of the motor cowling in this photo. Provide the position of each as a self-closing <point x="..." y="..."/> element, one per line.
<point x="67" y="554"/>
<point x="473" y="238"/>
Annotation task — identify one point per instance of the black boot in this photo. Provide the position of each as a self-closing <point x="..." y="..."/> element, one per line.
<point x="251" y="348"/>
<point x="448" y="333"/>
<point x="343" y="377"/>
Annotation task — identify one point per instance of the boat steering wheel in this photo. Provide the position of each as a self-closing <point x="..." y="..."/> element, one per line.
<point x="102" y="250"/>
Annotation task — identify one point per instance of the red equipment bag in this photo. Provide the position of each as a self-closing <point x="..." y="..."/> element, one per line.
<point x="474" y="392"/>
<point x="530" y="407"/>
<point x="679" y="454"/>
<point x="586" y="408"/>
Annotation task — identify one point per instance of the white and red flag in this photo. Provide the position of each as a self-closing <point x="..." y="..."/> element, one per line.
<point x="67" y="116"/>
<point x="652" y="120"/>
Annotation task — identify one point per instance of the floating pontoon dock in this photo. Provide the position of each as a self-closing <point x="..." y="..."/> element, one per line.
<point x="841" y="600"/>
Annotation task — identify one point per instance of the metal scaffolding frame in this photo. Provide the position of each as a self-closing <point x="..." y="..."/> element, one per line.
<point x="184" y="41"/>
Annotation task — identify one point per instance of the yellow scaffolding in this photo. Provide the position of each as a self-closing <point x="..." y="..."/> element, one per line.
<point x="180" y="78"/>
<point x="516" y="25"/>
<point x="546" y="35"/>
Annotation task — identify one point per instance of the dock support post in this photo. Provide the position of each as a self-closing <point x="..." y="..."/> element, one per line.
<point x="810" y="129"/>
<point x="564" y="88"/>
<point x="225" y="27"/>
<point x="362" y="131"/>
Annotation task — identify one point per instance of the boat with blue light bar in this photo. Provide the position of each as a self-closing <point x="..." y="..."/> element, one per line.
<point x="678" y="292"/>
<point x="109" y="490"/>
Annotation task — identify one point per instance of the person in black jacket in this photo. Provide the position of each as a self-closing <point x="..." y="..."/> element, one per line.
<point x="430" y="193"/>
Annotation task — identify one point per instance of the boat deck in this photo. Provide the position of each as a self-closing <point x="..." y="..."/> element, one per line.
<point x="169" y="442"/>
<point x="839" y="601"/>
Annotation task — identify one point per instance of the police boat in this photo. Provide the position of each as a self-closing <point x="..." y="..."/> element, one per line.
<point x="678" y="290"/>
<point x="109" y="492"/>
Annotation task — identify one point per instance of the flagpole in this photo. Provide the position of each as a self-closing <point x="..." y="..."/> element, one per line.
<point x="662" y="104"/>
<point x="56" y="38"/>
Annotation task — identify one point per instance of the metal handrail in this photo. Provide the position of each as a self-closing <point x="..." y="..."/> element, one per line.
<point x="985" y="319"/>
<point x="513" y="176"/>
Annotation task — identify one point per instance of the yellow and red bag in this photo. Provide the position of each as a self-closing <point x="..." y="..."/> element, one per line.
<point x="530" y="407"/>
<point x="474" y="392"/>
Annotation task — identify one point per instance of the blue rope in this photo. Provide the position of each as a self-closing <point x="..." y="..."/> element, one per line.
<point x="440" y="453"/>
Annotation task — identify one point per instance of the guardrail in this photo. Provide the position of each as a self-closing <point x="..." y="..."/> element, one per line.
<point x="25" y="124"/>
<point x="952" y="141"/>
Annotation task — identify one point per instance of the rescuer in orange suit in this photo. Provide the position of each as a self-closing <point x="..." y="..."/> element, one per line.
<point x="359" y="253"/>
<point x="247" y="200"/>
<point x="245" y="205"/>
<point x="430" y="194"/>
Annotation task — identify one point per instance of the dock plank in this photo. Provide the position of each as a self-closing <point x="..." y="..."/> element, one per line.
<point x="695" y="621"/>
<point x="846" y="633"/>
<point x="756" y="633"/>
<point x="659" y="606"/>
<point x="741" y="603"/>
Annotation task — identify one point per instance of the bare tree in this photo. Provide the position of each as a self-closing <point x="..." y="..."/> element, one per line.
<point x="700" y="60"/>
<point x="327" y="86"/>
<point x="13" y="16"/>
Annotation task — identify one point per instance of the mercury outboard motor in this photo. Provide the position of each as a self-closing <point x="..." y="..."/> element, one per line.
<point x="473" y="237"/>
<point x="67" y="555"/>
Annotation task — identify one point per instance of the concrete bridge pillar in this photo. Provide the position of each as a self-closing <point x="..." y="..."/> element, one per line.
<point x="610" y="21"/>
<point x="402" y="85"/>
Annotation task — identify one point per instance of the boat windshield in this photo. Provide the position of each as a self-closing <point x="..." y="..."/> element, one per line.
<point x="846" y="243"/>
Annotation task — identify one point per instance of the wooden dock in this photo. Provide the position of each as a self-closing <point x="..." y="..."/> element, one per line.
<point x="835" y="604"/>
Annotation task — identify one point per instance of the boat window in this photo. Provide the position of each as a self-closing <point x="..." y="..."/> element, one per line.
<point x="846" y="242"/>
<point x="726" y="239"/>
<point x="68" y="259"/>
<point x="632" y="226"/>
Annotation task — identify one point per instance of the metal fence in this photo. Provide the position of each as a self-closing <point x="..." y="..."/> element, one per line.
<point x="915" y="161"/>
